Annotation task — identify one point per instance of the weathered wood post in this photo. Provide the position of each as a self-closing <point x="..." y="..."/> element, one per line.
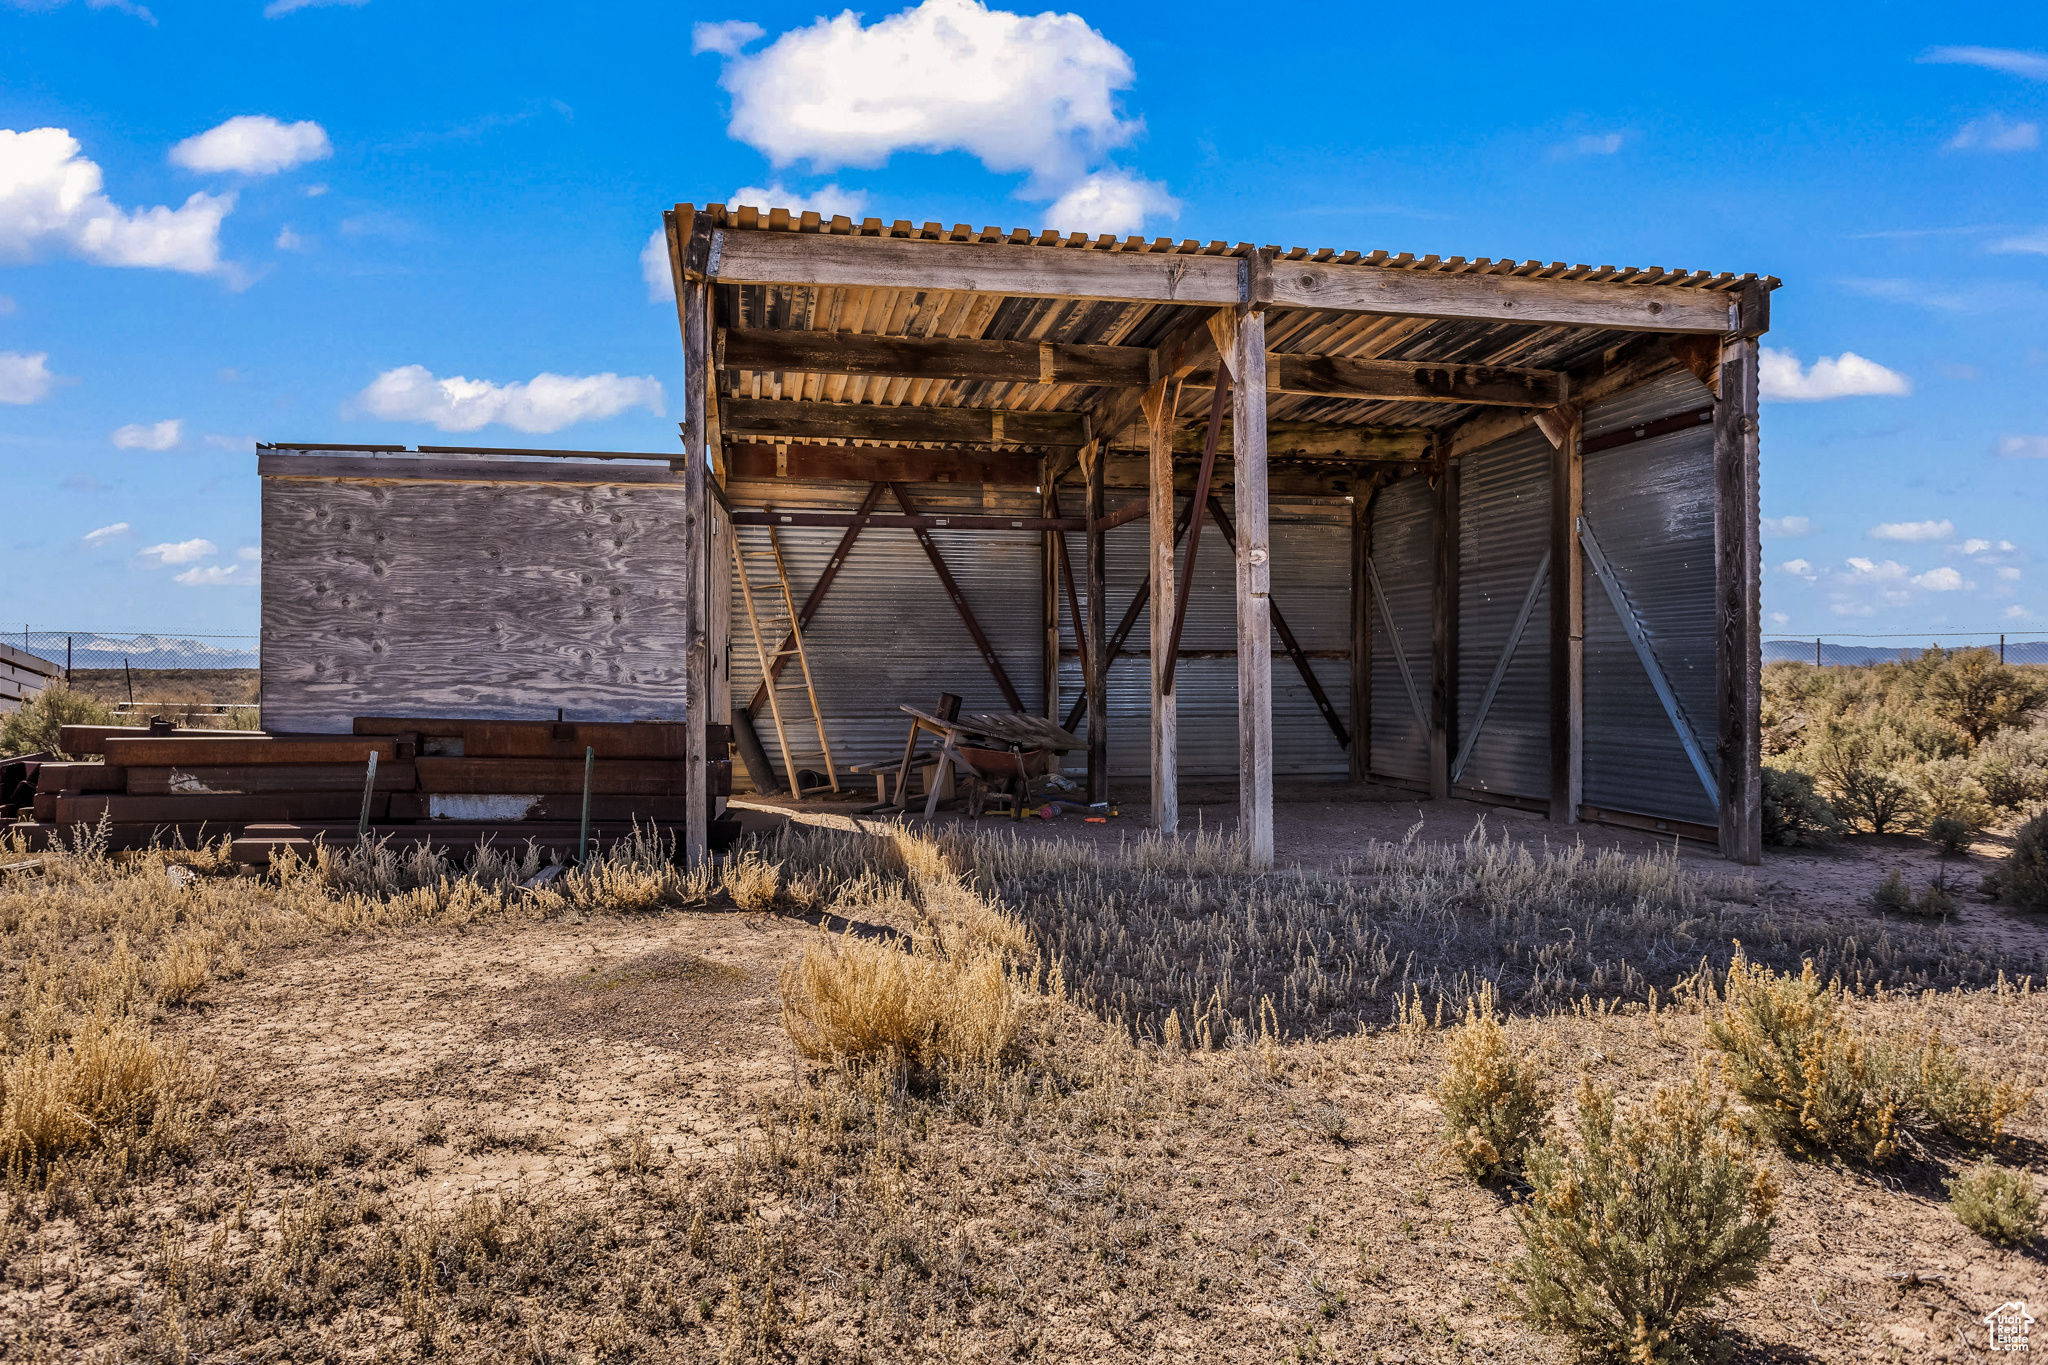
<point x="1158" y="405"/>
<point x="1242" y="342"/>
<point x="1738" y="584"/>
<point x="1443" y="635"/>
<point x="689" y="253"/>
<point x="1097" y="661"/>
<point x="1361" y="630"/>
<point x="1565" y="428"/>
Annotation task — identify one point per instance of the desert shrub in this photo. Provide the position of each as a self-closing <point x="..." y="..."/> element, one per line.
<point x="1942" y="1091"/>
<point x="1995" y="1203"/>
<point x="1795" y="813"/>
<point x="35" y="727"/>
<point x="2012" y="768"/>
<point x="1895" y="897"/>
<point x="1950" y="832"/>
<point x="1811" y="1082"/>
<point x="1856" y="766"/>
<point x="1978" y="695"/>
<point x="2022" y="879"/>
<point x="1892" y="896"/>
<point x="911" y="1007"/>
<point x="1651" y="1213"/>
<point x="1492" y="1098"/>
<point x="1948" y="789"/>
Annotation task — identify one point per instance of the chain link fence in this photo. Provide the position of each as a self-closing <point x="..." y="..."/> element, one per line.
<point x="204" y="680"/>
<point x="1839" y="649"/>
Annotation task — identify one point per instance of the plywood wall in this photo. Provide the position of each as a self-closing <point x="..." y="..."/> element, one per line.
<point x="497" y="600"/>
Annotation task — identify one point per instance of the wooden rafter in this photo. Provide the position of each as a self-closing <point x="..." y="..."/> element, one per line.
<point x="904" y="422"/>
<point x="741" y="256"/>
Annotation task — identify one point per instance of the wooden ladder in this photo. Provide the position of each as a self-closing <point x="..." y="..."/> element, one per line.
<point x="794" y="645"/>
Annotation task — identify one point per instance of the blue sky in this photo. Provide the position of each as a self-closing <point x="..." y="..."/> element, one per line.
<point x="392" y="196"/>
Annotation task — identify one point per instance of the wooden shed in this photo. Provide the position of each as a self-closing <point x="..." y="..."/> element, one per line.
<point x="1484" y="528"/>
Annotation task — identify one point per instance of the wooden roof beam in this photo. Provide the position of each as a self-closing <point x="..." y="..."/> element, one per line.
<point x="1026" y="362"/>
<point x="903" y="423"/>
<point x="740" y="256"/>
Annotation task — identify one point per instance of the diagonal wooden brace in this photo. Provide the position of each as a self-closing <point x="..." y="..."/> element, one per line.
<point x="952" y="587"/>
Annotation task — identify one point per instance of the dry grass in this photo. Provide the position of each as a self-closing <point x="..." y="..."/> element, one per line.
<point x="1490" y="1092"/>
<point x="1088" y="1165"/>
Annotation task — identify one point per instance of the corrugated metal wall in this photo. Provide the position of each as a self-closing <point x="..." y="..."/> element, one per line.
<point x="1503" y="536"/>
<point x="887" y="635"/>
<point x="1311" y="540"/>
<point x="1403" y="539"/>
<point x="1650" y="504"/>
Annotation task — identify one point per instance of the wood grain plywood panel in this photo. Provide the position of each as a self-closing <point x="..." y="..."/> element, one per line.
<point x="496" y="601"/>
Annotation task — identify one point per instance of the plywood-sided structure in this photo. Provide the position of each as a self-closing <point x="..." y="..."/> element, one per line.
<point x="1482" y="528"/>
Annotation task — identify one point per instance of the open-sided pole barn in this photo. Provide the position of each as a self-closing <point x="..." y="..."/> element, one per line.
<point x="1489" y="527"/>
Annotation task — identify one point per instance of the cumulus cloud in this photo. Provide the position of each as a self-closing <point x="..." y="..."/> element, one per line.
<point x="1939" y="580"/>
<point x="1787" y="526"/>
<point x="1798" y="568"/>
<point x="1021" y="93"/>
<point x="1849" y="376"/>
<point x="253" y="144"/>
<point x="219" y="576"/>
<point x="1872" y="571"/>
<point x="1111" y="200"/>
<point x="547" y="402"/>
<point x="829" y="202"/>
<point x="2009" y="574"/>
<point x="51" y="200"/>
<point x="287" y="240"/>
<point x="654" y="268"/>
<point x="162" y="435"/>
<point x="2023" y="447"/>
<point x="1912" y="530"/>
<point x="1996" y="133"/>
<point x="182" y="552"/>
<point x="25" y="378"/>
<point x="2017" y="613"/>
<point x="2014" y="62"/>
<point x="726" y="38"/>
<point x="117" y="531"/>
<point x="279" y="8"/>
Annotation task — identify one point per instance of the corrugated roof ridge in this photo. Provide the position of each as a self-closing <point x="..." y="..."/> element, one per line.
<point x="747" y="217"/>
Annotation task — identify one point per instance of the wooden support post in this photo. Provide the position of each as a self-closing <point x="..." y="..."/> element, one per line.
<point x="1361" y="632"/>
<point x="1443" y="636"/>
<point x="1567" y="617"/>
<point x="1254" y="587"/>
<point x="1096" y="660"/>
<point x="1738" y="624"/>
<point x="1159" y="403"/>
<point x="1049" y="592"/>
<point x="693" y="300"/>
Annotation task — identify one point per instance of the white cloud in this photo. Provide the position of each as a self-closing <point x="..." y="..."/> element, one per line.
<point x="727" y="38"/>
<point x="278" y="8"/>
<point x="1111" y="200"/>
<point x="1592" y="144"/>
<point x="156" y="436"/>
<point x="1912" y="531"/>
<point x="2009" y="574"/>
<point x="253" y="144"/>
<point x="2017" y="613"/>
<point x="251" y="553"/>
<point x="1996" y="133"/>
<point x="1890" y="571"/>
<point x="104" y="534"/>
<point x="219" y="576"/>
<point x="2031" y="65"/>
<point x="829" y="202"/>
<point x="1780" y="618"/>
<point x="1798" y="568"/>
<point x="1939" y="580"/>
<point x="238" y="445"/>
<point x="2023" y="447"/>
<point x="119" y="6"/>
<point x="50" y="199"/>
<point x="2026" y="244"/>
<point x="183" y="551"/>
<point x="287" y="240"/>
<point x="1849" y="376"/>
<point x="1029" y="93"/>
<point x="25" y="378"/>
<point x="547" y="402"/>
<point x="1787" y="526"/>
<point x="654" y="268"/>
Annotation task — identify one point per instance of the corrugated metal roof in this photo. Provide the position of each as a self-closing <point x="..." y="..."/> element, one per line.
<point x="936" y="313"/>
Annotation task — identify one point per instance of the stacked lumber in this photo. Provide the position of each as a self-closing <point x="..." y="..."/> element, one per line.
<point x="466" y="779"/>
<point x="22" y="676"/>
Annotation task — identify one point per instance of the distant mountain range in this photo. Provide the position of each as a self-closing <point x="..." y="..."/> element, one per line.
<point x="1801" y="651"/>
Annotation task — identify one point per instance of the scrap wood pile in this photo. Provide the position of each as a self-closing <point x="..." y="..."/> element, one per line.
<point x="447" y="782"/>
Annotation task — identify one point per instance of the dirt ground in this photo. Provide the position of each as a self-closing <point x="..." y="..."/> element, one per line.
<point x="1217" y="1208"/>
